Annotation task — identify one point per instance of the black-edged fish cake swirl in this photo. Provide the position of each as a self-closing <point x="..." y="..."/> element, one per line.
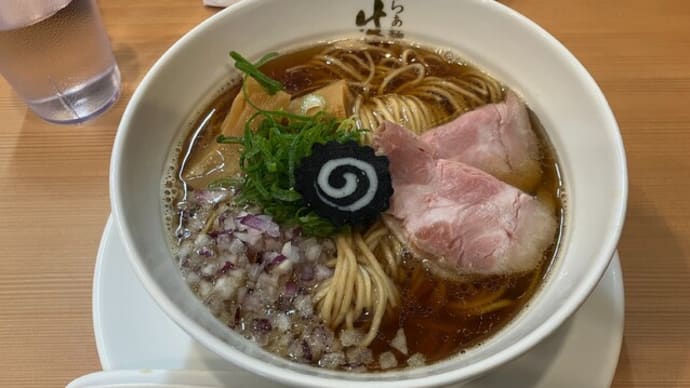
<point x="346" y="183"/>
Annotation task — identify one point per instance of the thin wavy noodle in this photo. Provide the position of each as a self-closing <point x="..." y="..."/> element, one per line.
<point x="401" y="86"/>
<point x="377" y="285"/>
<point x="397" y="86"/>
<point x="361" y="288"/>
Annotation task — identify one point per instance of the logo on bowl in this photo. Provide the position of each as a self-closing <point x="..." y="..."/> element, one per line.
<point x="378" y="13"/>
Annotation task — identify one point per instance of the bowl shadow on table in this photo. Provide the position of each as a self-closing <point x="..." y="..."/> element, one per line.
<point x="648" y="243"/>
<point x="130" y="66"/>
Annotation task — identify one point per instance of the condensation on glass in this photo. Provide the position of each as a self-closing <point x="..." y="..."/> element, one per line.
<point x="57" y="57"/>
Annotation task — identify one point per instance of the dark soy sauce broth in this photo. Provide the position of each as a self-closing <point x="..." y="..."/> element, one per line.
<point x="434" y="313"/>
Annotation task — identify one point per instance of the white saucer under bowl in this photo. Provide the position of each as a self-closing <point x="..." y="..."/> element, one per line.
<point x="133" y="333"/>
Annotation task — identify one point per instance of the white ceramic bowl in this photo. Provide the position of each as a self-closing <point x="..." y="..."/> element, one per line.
<point x="507" y="45"/>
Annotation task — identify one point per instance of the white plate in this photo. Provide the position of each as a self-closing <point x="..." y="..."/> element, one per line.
<point x="133" y="333"/>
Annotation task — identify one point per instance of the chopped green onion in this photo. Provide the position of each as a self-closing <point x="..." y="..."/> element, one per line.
<point x="269" y="155"/>
<point x="242" y="64"/>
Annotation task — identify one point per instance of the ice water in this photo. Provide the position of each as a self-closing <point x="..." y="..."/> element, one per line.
<point x="62" y="65"/>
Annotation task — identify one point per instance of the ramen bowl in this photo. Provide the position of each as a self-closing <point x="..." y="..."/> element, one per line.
<point x="569" y="104"/>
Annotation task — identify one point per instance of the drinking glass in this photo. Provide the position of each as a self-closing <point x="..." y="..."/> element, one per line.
<point x="57" y="57"/>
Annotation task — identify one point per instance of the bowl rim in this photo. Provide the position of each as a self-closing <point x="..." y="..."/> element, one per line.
<point x="580" y="293"/>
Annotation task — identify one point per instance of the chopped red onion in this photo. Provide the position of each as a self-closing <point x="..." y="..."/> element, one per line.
<point x="192" y="262"/>
<point x="259" y="281"/>
<point x="240" y="227"/>
<point x="359" y="356"/>
<point x="228" y="224"/>
<point x="227" y="286"/>
<point x="204" y="288"/>
<point x="194" y="225"/>
<point x="266" y="257"/>
<point x="211" y="197"/>
<point x="205" y="252"/>
<point x="283" y="303"/>
<point x="261" y="325"/>
<point x="251" y="237"/>
<point x="237" y="247"/>
<point x="290" y="289"/>
<point x="350" y="337"/>
<point x="306" y="351"/>
<point x="312" y="249"/>
<point x="317" y="343"/>
<point x="387" y="360"/>
<point x="326" y="337"/>
<point x="228" y="266"/>
<point x="254" y="271"/>
<point x="322" y="272"/>
<point x="185" y="249"/>
<point x="223" y="241"/>
<point x="265" y="217"/>
<point x="209" y="270"/>
<point x="328" y="246"/>
<point x="400" y="341"/>
<point x="272" y="244"/>
<point x="307" y="274"/>
<point x="283" y="268"/>
<point x="241" y="294"/>
<point x="276" y="261"/>
<point x="304" y="306"/>
<point x="263" y="224"/>
<point x="290" y="251"/>
<point x="252" y="302"/>
<point x="295" y="350"/>
<point x="267" y="287"/>
<point x="281" y="322"/>
<point x="203" y="240"/>
<point x="242" y="236"/>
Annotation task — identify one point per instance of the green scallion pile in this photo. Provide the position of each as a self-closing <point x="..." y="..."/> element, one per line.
<point x="271" y="153"/>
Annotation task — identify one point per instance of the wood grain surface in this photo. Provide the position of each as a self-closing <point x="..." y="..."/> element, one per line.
<point x="54" y="189"/>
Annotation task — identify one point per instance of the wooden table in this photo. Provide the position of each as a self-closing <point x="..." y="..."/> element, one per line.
<point x="54" y="186"/>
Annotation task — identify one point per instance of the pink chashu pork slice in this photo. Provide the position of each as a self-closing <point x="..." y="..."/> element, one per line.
<point x="495" y="138"/>
<point x="460" y="217"/>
